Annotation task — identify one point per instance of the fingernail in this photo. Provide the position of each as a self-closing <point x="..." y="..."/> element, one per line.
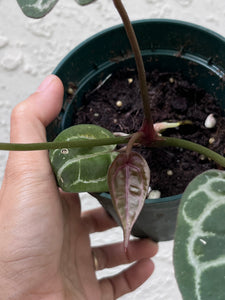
<point x="45" y="84"/>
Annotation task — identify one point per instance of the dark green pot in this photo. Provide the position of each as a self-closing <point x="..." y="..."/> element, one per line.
<point x="167" y="45"/>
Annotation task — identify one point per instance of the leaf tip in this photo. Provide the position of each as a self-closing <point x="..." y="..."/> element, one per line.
<point x="126" y="240"/>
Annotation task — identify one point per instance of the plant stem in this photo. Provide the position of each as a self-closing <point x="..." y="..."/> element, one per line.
<point x="135" y="137"/>
<point x="79" y="143"/>
<point x="139" y="63"/>
<point x="181" y="143"/>
<point x="82" y="143"/>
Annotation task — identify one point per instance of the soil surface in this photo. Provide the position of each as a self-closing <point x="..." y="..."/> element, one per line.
<point x="116" y="105"/>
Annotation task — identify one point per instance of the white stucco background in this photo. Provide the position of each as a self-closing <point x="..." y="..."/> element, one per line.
<point x="30" y="49"/>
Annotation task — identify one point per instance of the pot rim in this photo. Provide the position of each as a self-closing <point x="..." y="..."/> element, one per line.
<point x="151" y="201"/>
<point x="191" y="25"/>
<point x="153" y="21"/>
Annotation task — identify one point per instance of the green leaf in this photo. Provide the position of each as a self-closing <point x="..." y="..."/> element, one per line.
<point x="199" y="249"/>
<point x="36" y="8"/>
<point x="128" y="181"/>
<point x="84" y="2"/>
<point x="83" y="169"/>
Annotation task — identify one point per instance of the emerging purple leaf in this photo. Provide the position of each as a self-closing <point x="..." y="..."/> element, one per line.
<point x="128" y="180"/>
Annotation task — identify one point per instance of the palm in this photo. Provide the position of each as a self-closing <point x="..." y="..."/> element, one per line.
<point x="53" y="254"/>
<point x="76" y="261"/>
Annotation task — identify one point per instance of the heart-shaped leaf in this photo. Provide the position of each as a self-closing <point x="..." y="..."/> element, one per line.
<point x="36" y="8"/>
<point x="84" y="2"/>
<point x="83" y="169"/>
<point x="128" y="180"/>
<point x="199" y="250"/>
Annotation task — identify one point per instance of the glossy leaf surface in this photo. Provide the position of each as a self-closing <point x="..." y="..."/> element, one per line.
<point x="199" y="251"/>
<point x="83" y="169"/>
<point x="36" y="8"/>
<point x="128" y="181"/>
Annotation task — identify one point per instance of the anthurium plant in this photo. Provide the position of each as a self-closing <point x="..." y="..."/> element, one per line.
<point x="85" y="159"/>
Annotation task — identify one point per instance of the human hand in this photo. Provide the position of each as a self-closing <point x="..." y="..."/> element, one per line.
<point x="45" y="251"/>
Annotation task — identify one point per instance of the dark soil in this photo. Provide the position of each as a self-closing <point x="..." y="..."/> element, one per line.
<point x="172" y="99"/>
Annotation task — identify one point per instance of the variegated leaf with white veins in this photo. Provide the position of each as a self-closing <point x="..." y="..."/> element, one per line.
<point x="36" y="8"/>
<point x="39" y="8"/>
<point x="84" y="2"/>
<point x="199" y="250"/>
<point x="83" y="169"/>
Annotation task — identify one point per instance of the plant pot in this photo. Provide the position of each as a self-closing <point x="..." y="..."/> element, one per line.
<point x="166" y="45"/>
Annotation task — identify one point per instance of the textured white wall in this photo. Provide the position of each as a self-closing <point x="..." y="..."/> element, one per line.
<point x="30" y="49"/>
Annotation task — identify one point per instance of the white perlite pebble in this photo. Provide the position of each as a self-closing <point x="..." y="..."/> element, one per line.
<point x="154" y="194"/>
<point x="210" y="121"/>
<point x="119" y="103"/>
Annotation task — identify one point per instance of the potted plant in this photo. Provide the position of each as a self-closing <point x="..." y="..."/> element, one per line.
<point x="200" y="220"/>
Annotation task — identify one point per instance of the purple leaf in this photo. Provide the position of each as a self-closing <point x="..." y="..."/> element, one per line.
<point x="128" y="180"/>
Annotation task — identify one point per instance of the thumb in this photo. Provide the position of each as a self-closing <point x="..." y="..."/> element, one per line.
<point x="28" y="122"/>
<point x="30" y="117"/>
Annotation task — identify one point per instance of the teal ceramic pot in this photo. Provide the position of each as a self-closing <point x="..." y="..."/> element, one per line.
<point x="167" y="45"/>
